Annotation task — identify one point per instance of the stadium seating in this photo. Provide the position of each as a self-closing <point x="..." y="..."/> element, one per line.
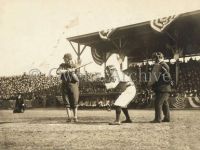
<point x="44" y="90"/>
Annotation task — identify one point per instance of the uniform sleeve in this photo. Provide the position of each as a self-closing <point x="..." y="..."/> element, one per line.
<point x="58" y="71"/>
<point x="61" y="66"/>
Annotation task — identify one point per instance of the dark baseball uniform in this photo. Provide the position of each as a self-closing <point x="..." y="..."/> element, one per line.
<point x="70" y="86"/>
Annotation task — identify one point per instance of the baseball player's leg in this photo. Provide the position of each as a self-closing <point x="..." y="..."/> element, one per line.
<point x="121" y="103"/>
<point x="74" y="100"/>
<point x="75" y="112"/>
<point x="68" y="114"/>
<point x="126" y="97"/>
<point x="117" y="120"/>
<point x="65" y="97"/>
<point x="128" y="119"/>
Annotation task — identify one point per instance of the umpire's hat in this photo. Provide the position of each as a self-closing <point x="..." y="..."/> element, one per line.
<point x="157" y="55"/>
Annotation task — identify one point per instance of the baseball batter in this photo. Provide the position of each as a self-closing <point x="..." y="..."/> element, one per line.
<point x="117" y="79"/>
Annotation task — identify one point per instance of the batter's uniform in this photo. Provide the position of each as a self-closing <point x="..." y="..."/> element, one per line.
<point x="69" y="87"/>
<point x="126" y="85"/>
<point x="126" y="96"/>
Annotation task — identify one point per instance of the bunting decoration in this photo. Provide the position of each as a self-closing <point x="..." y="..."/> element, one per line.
<point x="99" y="56"/>
<point x="106" y="34"/>
<point x="161" y="23"/>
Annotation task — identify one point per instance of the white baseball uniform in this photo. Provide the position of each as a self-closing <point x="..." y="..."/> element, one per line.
<point x="128" y="94"/>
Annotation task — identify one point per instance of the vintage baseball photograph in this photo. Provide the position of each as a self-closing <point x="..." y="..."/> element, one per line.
<point x="99" y="75"/>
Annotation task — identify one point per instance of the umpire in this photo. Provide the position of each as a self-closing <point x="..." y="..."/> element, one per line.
<point x="160" y="81"/>
<point x="70" y="86"/>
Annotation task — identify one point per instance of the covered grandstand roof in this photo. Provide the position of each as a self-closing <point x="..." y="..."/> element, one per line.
<point x="141" y="40"/>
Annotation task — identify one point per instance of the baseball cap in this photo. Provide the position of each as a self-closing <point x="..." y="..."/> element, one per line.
<point x="68" y="56"/>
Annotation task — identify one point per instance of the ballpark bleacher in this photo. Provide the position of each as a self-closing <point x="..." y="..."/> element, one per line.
<point x="44" y="91"/>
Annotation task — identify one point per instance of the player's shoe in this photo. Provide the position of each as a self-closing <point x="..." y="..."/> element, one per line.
<point x="155" y="121"/>
<point x="75" y="120"/>
<point x="127" y="121"/>
<point x="69" y="120"/>
<point x="114" y="123"/>
<point x="165" y="120"/>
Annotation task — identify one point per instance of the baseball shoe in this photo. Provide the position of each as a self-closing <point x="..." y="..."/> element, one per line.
<point x="127" y="121"/>
<point x="165" y="120"/>
<point x="114" y="123"/>
<point x="75" y="120"/>
<point x="69" y="120"/>
<point x="155" y="121"/>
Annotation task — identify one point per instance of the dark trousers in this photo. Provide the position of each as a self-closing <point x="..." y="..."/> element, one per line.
<point x="70" y="94"/>
<point x="161" y="104"/>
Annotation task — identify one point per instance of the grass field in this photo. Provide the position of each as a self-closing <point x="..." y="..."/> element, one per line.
<point x="46" y="129"/>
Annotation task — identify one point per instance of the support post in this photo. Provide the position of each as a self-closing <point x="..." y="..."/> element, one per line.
<point x="177" y="72"/>
<point x="78" y="52"/>
<point x="73" y="47"/>
<point x="104" y="57"/>
<point x="120" y="46"/>
<point x="78" y="56"/>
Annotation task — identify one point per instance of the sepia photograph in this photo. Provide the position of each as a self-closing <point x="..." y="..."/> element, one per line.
<point x="99" y="75"/>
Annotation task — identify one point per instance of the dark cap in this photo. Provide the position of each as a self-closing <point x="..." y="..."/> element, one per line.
<point x="110" y="67"/>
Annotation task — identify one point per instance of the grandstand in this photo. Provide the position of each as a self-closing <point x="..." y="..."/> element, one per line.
<point x="176" y="37"/>
<point x="137" y="41"/>
<point x="44" y="91"/>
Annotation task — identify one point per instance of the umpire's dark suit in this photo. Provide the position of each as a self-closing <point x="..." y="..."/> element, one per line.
<point x="162" y="88"/>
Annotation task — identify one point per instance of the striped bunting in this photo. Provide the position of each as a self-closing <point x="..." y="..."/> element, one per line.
<point x="99" y="56"/>
<point x="161" y="23"/>
<point x="106" y="34"/>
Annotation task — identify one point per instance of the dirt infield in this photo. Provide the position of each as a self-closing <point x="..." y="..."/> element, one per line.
<point x="46" y="129"/>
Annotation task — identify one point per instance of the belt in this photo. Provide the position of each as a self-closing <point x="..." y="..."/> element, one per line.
<point x="129" y="84"/>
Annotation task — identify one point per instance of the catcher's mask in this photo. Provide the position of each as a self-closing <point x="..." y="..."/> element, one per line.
<point x="109" y="70"/>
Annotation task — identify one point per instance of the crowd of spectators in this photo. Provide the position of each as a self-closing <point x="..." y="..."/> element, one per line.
<point x="92" y="87"/>
<point x="189" y="77"/>
<point x="40" y="84"/>
<point x="27" y="85"/>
